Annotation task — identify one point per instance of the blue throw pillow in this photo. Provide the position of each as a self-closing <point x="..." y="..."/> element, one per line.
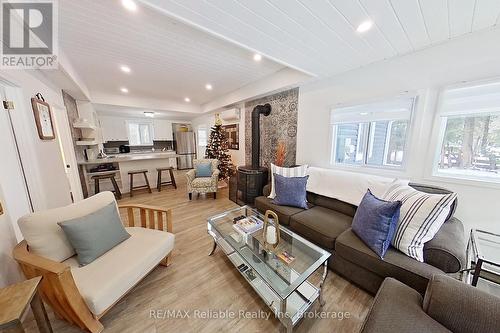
<point x="94" y="234"/>
<point x="204" y="170"/>
<point x="375" y="222"/>
<point x="290" y="191"/>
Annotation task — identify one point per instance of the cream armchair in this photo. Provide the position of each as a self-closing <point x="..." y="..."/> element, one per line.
<point x="203" y="184"/>
<point x="82" y="295"/>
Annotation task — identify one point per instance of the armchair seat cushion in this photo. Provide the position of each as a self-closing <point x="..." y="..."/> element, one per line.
<point x="105" y="280"/>
<point x="200" y="182"/>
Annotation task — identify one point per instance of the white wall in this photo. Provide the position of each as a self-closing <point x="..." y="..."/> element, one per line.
<point x="208" y="120"/>
<point x="9" y="270"/>
<point x="469" y="58"/>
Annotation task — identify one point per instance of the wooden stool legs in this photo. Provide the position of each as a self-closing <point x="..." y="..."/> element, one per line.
<point x="159" y="182"/>
<point x="97" y="187"/>
<point x="132" y="187"/>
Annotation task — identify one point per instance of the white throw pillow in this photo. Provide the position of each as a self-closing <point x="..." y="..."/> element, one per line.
<point x="422" y="215"/>
<point x="299" y="171"/>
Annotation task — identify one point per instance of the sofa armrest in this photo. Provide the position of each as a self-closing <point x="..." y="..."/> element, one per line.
<point x="191" y="175"/>
<point x="24" y="257"/>
<point x="446" y="250"/>
<point x="398" y="308"/>
<point x="460" y="307"/>
<point x="216" y="174"/>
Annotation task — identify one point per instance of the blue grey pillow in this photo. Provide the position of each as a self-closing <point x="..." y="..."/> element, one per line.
<point x="375" y="222"/>
<point x="290" y="191"/>
<point x="95" y="234"/>
<point x="204" y="170"/>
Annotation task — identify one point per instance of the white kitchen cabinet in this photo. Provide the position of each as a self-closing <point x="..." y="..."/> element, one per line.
<point x="163" y="130"/>
<point x="113" y="128"/>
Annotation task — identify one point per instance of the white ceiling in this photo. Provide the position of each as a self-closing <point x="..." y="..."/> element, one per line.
<point x="116" y="110"/>
<point x="319" y="36"/>
<point x="169" y="59"/>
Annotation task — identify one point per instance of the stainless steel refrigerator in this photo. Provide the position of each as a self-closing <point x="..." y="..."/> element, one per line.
<point x="186" y="147"/>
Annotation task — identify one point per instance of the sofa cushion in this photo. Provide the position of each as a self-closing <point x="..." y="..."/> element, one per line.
<point x="284" y="212"/>
<point x="46" y="238"/>
<point x="320" y="225"/>
<point x="398" y="308"/>
<point x="110" y="276"/>
<point x="446" y="250"/>
<point x="290" y="191"/>
<point x="95" y="234"/>
<point x="375" y="222"/>
<point x="299" y="171"/>
<point x="422" y="214"/>
<point x="395" y="264"/>
<point x="334" y="204"/>
<point x="461" y="307"/>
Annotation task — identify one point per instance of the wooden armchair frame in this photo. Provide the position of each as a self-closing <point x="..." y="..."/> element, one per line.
<point x="58" y="288"/>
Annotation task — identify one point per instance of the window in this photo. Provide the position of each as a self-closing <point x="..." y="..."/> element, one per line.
<point x="372" y="134"/>
<point x="469" y="145"/>
<point x="140" y="133"/>
<point x="202" y="136"/>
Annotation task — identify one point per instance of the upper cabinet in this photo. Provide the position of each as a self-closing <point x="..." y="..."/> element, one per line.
<point x="113" y="128"/>
<point x="163" y="130"/>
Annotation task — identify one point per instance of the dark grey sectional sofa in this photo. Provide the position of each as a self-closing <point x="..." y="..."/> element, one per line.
<point x="448" y="306"/>
<point x="327" y="223"/>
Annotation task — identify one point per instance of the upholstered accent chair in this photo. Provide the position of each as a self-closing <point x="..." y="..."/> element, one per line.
<point x="82" y="295"/>
<point x="203" y="184"/>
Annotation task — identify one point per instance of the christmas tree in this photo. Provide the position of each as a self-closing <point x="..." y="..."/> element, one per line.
<point x="217" y="148"/>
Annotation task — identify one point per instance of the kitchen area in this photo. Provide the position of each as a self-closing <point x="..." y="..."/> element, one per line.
<point x="120" y="144"/>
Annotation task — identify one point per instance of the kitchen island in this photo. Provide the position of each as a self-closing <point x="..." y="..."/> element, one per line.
<point x="122" y="164"/>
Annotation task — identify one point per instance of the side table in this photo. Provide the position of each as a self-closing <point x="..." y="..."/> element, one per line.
<point x="483" y="258"/>
<point x="14" y="302"/>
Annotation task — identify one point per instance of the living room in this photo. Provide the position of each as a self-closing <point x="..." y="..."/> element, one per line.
<point x="303" y="166"/>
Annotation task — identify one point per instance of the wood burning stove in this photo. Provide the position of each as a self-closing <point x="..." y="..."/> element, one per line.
<point x="252" y="178"/>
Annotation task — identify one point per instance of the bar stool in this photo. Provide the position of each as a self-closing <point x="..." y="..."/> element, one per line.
<point x="159" y="183"/>
<point x="110" y="176"/>
<point x="135" y="172"/>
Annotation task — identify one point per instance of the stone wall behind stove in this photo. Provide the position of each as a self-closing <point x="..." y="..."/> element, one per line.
<point x="279" y="126"/>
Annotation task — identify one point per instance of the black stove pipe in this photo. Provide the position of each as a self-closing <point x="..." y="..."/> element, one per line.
<point x="257" y="111"/>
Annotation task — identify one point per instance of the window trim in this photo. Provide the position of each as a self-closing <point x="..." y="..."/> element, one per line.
<point x="141" y="122"/>
<point x="402" y="169"/>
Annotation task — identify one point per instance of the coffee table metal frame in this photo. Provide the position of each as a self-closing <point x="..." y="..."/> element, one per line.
<point x="288" y="321"/>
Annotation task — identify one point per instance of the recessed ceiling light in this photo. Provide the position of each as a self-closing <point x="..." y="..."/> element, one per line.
<point x="124" y="90"/>
<point x="125" y="69"/>
<point x="363" y="113"/>
<point x="208" y="86"/>
<point x="149" y="114"/>
<point x="365" y="26"/>
<point x="257" y="57"/>
<point x="130" y="5"/>
<point x="187" y="99"/>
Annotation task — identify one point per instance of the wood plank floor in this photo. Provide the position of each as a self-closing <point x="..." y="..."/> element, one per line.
<point x="196" y="281"/>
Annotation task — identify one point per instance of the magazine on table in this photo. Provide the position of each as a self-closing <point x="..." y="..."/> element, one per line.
<point x="248" y="225"/>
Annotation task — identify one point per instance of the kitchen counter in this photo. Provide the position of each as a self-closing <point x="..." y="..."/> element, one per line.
<point x="130" y="157"/>
<point x="124" y="163"/>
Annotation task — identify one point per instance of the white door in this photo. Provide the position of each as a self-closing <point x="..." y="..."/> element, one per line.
<point x="16" y="199"/>
<point x="68" y="153"/>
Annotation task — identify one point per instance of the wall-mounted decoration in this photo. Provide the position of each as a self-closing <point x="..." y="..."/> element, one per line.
<point x="232" y="134"/>
<point x="43" y="118"/>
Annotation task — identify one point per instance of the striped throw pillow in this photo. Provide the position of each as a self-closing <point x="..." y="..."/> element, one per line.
<point x="299" y="171"/>
<point x="422" y="215"/>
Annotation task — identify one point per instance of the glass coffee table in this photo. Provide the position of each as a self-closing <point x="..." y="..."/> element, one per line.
<point x="284" y="287"/>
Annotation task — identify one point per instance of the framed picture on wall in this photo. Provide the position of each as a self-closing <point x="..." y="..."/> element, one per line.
<point x="232" y="135"/>
<point x="43" y="119"/>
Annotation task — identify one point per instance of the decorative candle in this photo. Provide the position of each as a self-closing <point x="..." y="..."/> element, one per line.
<point x="271" y="236"/>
